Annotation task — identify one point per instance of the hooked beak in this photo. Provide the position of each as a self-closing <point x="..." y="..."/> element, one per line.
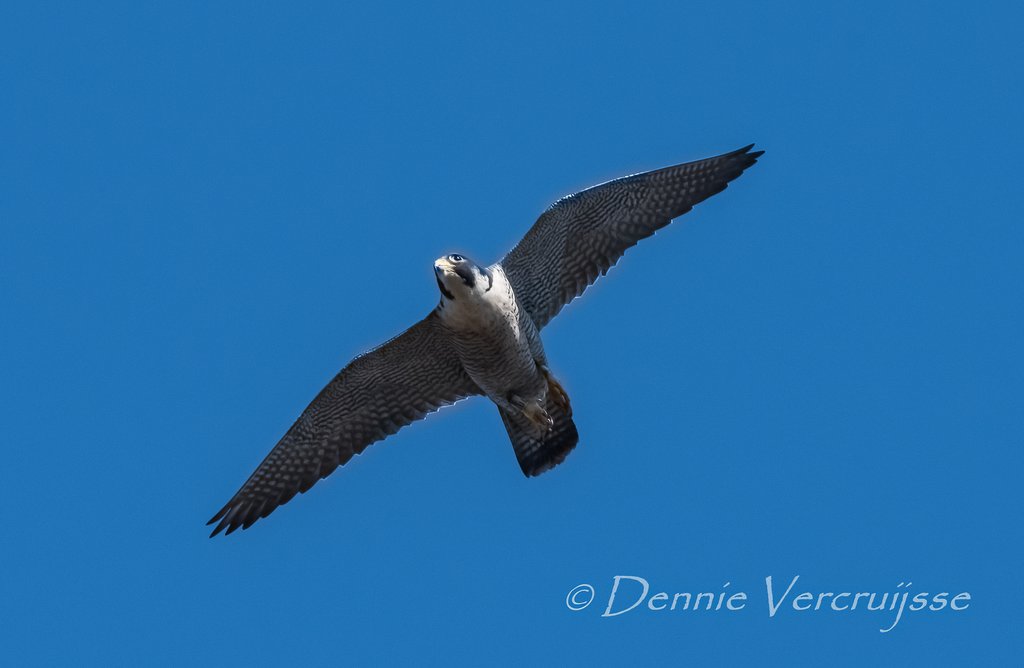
<point x="443" y="266"/>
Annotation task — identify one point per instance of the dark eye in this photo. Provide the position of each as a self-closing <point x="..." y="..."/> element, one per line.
<point x="456" y="258"/>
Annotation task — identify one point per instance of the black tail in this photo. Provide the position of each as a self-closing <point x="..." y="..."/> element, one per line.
<point x="539" y="452"/>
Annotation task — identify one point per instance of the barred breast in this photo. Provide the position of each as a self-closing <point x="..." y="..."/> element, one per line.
<point x="496" y="342"/>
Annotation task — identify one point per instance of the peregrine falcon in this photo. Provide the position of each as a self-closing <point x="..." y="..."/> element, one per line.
<point x="483" y="338"/>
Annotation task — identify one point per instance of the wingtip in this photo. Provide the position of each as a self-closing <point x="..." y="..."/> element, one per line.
<point x="746" y="156"/>
<point x="220" y="514"/>
<point x="237" y="515"/>
<point x="217" y="529"/>
<point x="223" y="517"/>
<point x="745" y="151"/>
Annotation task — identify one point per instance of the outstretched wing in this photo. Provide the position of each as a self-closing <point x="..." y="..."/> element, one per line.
<point x="581" y="236"/>
<point x="374" y="396"/>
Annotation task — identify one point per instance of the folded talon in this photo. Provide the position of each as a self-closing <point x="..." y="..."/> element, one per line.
<point x="536" y="414"/>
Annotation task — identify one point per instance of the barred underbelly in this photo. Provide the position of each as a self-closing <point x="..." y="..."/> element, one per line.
<point x="499" y="363"/>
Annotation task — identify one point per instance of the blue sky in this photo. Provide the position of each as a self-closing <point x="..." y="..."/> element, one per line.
<point x="207" y="209"/>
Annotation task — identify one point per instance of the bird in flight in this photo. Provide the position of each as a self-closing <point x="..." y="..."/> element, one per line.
<point x="483" y="338"/>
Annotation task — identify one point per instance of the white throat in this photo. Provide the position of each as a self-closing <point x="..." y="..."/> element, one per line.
<point x="481" y="307"/>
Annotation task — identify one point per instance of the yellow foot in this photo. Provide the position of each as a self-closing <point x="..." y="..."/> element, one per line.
<point x="536" y="414"/>
<point x="557" y="392"/>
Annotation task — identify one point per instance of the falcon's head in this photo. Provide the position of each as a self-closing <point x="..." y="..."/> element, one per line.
<point x="458" y="276"/>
